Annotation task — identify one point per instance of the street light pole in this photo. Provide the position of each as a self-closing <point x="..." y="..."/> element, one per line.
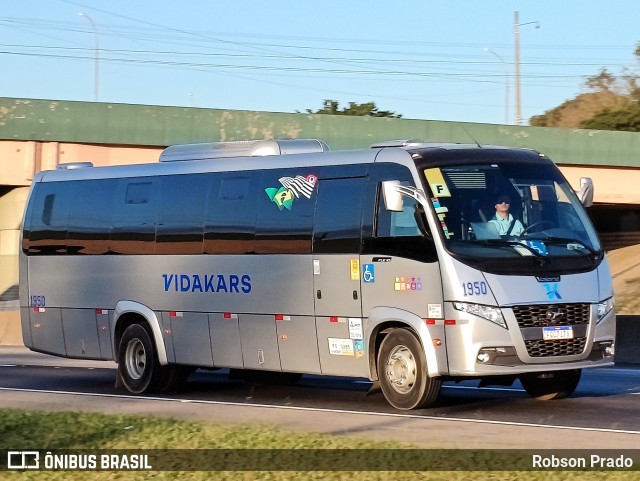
<point x="96" y="78"/>
<point x="516" y="30"/>
<point x="506" y="84"/>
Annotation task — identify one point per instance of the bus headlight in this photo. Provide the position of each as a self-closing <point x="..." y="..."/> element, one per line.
<point x="604" y="307"/>
<point x="493" y="314"/>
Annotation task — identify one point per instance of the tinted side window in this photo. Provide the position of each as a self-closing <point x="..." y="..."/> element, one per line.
<point x="134" y="216"/>
<point x="90" y="217"/>
<point x="231" y="213"/>
<point x="183" y="199"/>
<point x="49" y="218"/>
<point x="337" y="225"/>
<point x="395" y="233"/>
<point x="286" y="203"/>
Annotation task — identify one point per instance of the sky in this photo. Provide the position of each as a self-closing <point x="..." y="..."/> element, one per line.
<point x="451" y="60"/>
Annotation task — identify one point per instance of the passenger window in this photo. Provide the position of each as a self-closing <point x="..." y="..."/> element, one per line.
<point x="230" y="214"/>
<point x="181" y="215"/>
<point x="134" y="217"/>
<point x="286" y="202"/>
<point x="337" y="225"/>
<point x="47" y="229"/>
<point x="90" y="219"/>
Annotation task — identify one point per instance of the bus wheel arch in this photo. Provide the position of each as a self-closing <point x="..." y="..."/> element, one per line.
<point x="401" y="364"/>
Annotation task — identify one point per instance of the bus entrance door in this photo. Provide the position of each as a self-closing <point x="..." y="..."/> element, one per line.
<point x="336" y="276"/>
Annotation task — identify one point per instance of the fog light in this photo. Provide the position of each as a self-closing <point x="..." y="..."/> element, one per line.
<point x="609" y="351"/>
<point x="483" y="357"/>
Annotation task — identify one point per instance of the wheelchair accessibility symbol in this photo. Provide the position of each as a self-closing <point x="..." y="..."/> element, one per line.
<point x="368" y="273"/>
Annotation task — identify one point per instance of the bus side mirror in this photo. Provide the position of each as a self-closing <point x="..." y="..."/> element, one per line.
<point x="392" y="196"/>
<point x="585" y="194"/>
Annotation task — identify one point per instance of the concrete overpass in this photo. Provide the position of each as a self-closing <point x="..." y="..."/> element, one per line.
<point x="37" y="135"/>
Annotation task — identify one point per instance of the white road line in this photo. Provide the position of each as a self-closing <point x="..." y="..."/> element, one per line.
<point x="323" y="410"/>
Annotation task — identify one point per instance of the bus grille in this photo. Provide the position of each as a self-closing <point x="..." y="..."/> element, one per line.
<point x="543" y="315"/>
<point x="560" y="347"/>
<point x="552" y="315"/>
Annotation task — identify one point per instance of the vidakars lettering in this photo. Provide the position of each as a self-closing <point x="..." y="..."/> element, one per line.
<point x="230" y="283"/>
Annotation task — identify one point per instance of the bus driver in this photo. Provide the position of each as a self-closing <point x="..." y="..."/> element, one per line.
<point x="505" y="223"/>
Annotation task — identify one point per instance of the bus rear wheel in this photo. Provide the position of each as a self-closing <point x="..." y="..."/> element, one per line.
<point x="551" y="385"/>
<point x="137" y="360"/>
<point x="402" y="371"/>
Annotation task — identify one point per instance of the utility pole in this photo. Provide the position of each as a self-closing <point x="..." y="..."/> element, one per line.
<point x="516" y="31"/>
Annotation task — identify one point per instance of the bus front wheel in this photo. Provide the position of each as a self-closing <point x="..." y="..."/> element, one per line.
<point x="551" y="385"/>
<point x="402" y="371"/>
<point x="137" y="360"/>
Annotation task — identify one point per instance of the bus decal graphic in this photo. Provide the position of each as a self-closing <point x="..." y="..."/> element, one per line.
<point x="407" y="284"/>
<point x="552" y="291"/>
<point x="231" y="283"/>
<point x="292" y="187"/>
<point x="300" y="185"/>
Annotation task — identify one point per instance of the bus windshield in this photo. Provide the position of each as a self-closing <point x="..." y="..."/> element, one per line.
<point x="508" y="209"/>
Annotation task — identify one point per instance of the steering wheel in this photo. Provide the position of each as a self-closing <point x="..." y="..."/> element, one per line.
<point x="537" y="224"/>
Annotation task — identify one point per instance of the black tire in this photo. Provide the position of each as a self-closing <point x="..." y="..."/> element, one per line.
<point x="402" y="371"/>
<point x="137" y="360"/>
<point x="551" y="385"/>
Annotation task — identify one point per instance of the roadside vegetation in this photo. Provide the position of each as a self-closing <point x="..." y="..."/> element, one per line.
<point x="29" y="430"/>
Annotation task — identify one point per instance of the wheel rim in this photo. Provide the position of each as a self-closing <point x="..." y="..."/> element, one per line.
<point x="135" y="359"/>
<point x="401" y="369"/>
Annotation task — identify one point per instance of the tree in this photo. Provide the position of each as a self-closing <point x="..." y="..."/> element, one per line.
<point x="605" y="92"/>
<point x="611" y="103"/>
<point x="572" y="113"/>
<point x="367" y="109"/>
<point x="627" y="119"/>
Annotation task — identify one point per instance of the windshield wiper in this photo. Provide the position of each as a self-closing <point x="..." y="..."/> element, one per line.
<point x="509" y="243"/>
<point x="569" y="241"/>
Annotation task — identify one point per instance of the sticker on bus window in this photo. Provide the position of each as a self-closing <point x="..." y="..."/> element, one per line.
<point x="437" y="183"/>
<point x="292" y="188"/>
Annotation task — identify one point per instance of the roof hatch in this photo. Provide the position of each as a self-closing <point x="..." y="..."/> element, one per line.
<point x="242" y="148"/>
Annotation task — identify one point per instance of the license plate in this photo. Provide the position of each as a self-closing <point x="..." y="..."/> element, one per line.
<point x="557" y="332"/>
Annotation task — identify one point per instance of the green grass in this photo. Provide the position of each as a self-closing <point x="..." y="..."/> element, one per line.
<point x="26" y="430"/>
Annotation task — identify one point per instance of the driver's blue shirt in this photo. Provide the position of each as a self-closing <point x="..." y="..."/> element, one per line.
<point x="503" y="224"/>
